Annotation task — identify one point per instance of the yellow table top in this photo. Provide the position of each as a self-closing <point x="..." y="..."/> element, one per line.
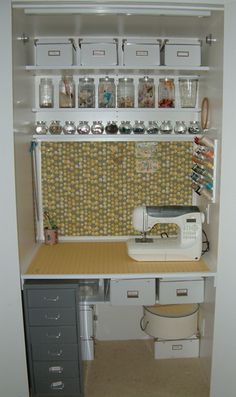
<point x="101" y="258"/>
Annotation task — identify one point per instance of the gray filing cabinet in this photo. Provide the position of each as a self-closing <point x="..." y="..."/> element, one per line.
<point x="52" y="333"/>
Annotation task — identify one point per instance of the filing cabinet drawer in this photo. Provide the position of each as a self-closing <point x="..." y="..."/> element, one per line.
<point x="53" y="369"/>
<point x="61" y="386"/>
<point x="133" y="292"/>
<point x="51" y="297"/>
<point x="52" y="316"/>
<point x="181" y="291"/>
<point x="63" y="334"/>
<point x="55" y="352"/>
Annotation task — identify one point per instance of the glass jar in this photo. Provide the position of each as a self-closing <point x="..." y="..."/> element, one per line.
<point x="139" y="127"/>
<point x="166" y="127"/>
<point x="194" y="127"/>
<point x="67" y="92"/>
<point x="125" y="93"/>
<point x="55" y="127"/>
<point x="86" y="93"/>
<point x="83" y="127"/>
<point x="188" y="92"/>
<point x="69" y="128"/>
<point x="125" y="127"/>
<point x="180" y="127"/>
<point x="166" y="93"/>
<point x="46" y="93"/>
<point x="106" y="93"/>
<point x="40" y="128"/>
<point x="146" y="93"/>
<point x="97" y="127"/>
<point x="152" y="127"/>
<point x="111" y="127"/>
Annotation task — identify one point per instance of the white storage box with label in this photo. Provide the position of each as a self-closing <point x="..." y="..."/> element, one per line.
<point x="133" y="292"/>
<point x="182" y="52"/>
<point x="172" y="291"/>
<point x="54" y="52"/>
<point x="181" y="348"/>
<point x="98" y="52"/>
<point x="170" y="321"/>
<point x="142" y="52"/>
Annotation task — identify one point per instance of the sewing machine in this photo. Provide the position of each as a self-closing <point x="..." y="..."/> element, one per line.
<point x="186" y="246"/>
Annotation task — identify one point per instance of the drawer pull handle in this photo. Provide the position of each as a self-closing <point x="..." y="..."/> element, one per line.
<point x="53" y="336"/>
<point x="132" y="294"/>
<point x="57" y="385"/>
<point x="55" y="370"/>
<point x="47" y="299"/>
<point x="56" y="317"/>
<point x="182" y="292"/>
<point x="55" y="354"/>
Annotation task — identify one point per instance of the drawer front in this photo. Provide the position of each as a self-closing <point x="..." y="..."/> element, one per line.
<point x="51" y="297"/>
<point x="181" y="291"/>
<point x="52" y="316"/>
<point x="53" y="369"/>
<point x="133" y="292"/>
<point x="55" y="352"/>
<point x="61" y="334"/>
<point x="61" y="386"/>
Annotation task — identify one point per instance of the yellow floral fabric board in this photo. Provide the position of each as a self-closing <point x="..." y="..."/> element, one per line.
<point x="91" y="188"/>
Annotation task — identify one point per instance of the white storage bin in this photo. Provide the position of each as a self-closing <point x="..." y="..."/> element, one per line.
<point x="98" y="52"/>
<point x="181" y="348"/>
<point x="182" y="52"/>
<point x="54" y="52"/>
<point x="170" y="321"/>
<point x="141" y="52"/>
<point x="172" y="291"/>
<point x="133" y="292"/>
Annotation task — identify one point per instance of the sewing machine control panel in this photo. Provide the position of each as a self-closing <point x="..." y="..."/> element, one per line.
<point x="190" y="229"/>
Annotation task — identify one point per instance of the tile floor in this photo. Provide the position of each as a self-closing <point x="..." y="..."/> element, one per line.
<point x="128" y="369"/>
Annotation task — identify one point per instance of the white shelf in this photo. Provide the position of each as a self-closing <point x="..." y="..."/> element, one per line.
<point x="115" y="110"/>
<point x="114" y="137"/>
<point x="58" y="70"/>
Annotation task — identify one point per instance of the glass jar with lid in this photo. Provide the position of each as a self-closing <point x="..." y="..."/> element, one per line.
<point x="139" y="127"/>
<point x="180" y="127"/>
<point x="194" y="127"/>
<point x="46" y="93"/>
<point x="83" y="127"/>
<point x="67" y="92"/>
<point x="69" y="128"/>
<point x="106" y="93"/>
<point x="125" y="127"/>
<point x="40" y="128"/>
<point x="86" y="93"/>
<point x="111" y="127"/>
<point x="152" y="127"/>
<point x="125" y="93"/>
<point x="146" y="93"/>
<point x="188" y="92"/>
<point x="166" y="93"/>
<point x="55" y="127"/>
<point x="166" y="127"/>
<point x="97" y="127"/>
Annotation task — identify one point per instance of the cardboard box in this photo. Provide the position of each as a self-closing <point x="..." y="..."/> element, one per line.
<point x="182" y="52"/>
<point x="178" y="348"/>
<point x="141" y="53"/>
<point x="100" y="52"/>
<point x="54" y="52"/>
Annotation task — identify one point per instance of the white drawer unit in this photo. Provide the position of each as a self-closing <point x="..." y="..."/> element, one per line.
<point x="141" y="52"/>
<point x="172" y="291"/>
<point x="98" y="52"/>
<point x="180" y="348"/>
<point x="133" y="292"/>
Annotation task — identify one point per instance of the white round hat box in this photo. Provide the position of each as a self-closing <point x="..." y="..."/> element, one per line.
<point x="170" y="321"/>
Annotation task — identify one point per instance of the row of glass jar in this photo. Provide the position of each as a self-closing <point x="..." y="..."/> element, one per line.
<point x="125" y="93"/>
<point x="111" y="127"/>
